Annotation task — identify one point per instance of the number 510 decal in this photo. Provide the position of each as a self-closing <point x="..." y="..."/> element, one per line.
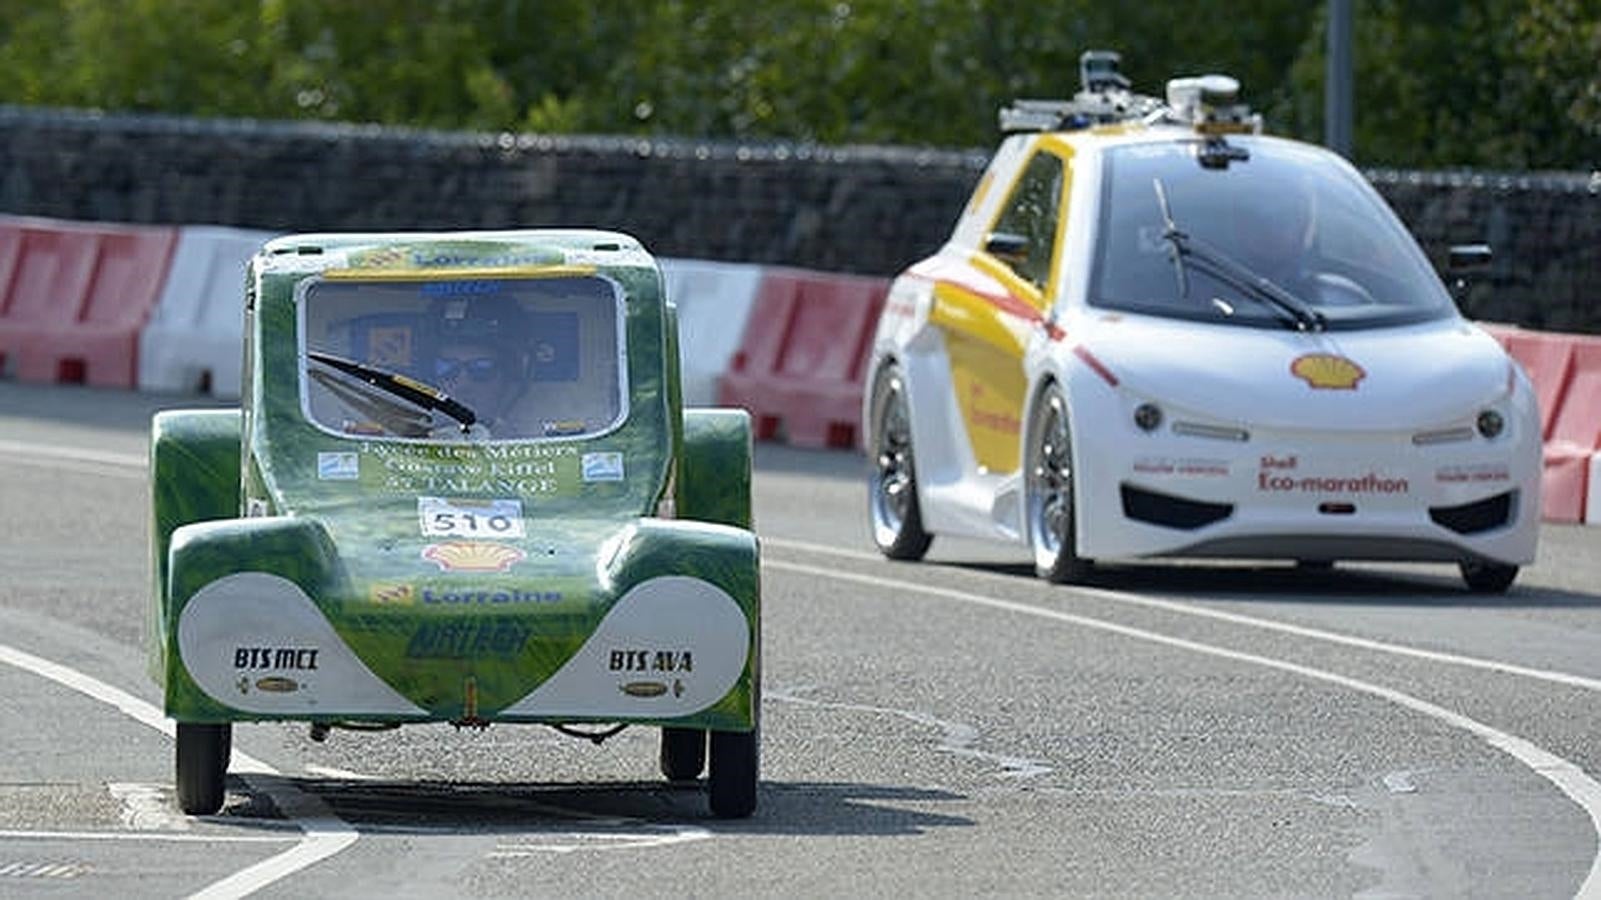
<point x="470" y="518"/>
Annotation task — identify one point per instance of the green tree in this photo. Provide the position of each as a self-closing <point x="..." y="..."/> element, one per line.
<point x="1497" y="83"/>
<point x="1485" y="83"/>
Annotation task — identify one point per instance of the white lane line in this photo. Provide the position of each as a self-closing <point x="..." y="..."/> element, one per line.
<point x="332" y="772"/>
<point x="646" y="837"/>
<point x="1189" y="609"/>
<point x="1568" y="778"/>
<point x="53" y="453"/>
<point x="149" y="836"/>
<point x="323" y="833"/>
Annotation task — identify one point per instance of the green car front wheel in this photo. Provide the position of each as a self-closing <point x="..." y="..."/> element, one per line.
<point x="202" y="764"/>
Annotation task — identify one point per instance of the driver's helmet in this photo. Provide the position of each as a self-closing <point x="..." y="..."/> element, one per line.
<point x="477" y="350"/>
<point x="495" y="324"/>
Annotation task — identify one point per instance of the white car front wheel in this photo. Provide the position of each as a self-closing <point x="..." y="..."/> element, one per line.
<point x="1048" y="466"/>
<point x="892" y="487"/>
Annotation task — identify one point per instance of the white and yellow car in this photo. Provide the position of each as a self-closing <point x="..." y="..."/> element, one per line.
<point x="1156" y="331"/>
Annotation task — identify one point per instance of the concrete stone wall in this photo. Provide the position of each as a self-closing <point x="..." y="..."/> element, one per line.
<point x="868" y="210"/>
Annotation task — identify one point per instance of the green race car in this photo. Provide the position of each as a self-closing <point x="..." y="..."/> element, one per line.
<point x="460" y="487"/>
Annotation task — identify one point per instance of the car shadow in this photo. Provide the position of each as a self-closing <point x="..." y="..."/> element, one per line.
<point x="1433" y="586"/>
<point x="568" y="816"/>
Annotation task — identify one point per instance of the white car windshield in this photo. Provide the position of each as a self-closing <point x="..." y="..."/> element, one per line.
<point x="1284" y="237"/>
<point x="469" y="359"/>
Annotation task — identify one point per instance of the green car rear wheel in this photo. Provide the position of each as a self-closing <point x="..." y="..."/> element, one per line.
<point x="734" y="773"/>
<point x="683" y="753"/>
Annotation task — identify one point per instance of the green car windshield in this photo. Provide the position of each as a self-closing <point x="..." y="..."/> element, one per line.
<point x="468" y="359"/>
<point x="1181" y="239"/>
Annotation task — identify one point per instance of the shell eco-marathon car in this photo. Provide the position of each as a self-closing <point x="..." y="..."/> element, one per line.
<point x="460" y="488"/>
<point x="1156" y="332"/>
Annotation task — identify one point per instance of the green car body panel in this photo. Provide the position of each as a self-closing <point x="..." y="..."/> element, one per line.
<point x="306" y="573"/>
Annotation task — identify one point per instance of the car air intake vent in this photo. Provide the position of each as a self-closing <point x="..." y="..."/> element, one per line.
<point x="1480" y="515"/>
<point x="1170" y="511"/>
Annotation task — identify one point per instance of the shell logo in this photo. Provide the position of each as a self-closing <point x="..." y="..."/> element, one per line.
<point x="473" y="556"/>
<point x="1326" y="371"/>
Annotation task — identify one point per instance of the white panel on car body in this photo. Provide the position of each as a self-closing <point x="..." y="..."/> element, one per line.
<point x="671" y="646"/>
<point x="255" y="642"/>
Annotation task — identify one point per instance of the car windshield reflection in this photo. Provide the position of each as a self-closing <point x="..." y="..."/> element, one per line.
<point x="486" y="359"/>
<point x="1291" y="216"/>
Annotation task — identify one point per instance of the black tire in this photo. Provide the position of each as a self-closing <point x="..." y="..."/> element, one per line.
<point x="202" y="764"/>
<point x="893" y="512"/>
<point x="1485" y="577"/>
<point x="683" y="753"/>
<point x="1048" y="492"/>
<point x="735" y="771"/>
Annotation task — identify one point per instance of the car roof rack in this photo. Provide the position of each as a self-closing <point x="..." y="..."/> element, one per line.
<point x="1208" y="103"/>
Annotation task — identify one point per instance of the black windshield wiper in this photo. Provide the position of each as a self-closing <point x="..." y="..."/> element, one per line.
<point x="411" y="390"/>
<point x="1176" y="239"/>
<point x="1219" y="264"/>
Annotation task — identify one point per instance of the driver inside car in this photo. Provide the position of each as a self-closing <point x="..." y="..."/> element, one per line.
<point x="477" y="360"/>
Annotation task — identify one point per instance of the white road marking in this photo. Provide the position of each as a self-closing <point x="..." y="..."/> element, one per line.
<point x="323" y="833"/>
<point x="42" y="870"/>
<point x="167" y="837"/>
<point x="58" y="453"/>
<point x="147" y="807"/>
<point x="1189" y="609"/>
<point x="1568" y="778"/>
<point x="332" y="772"/>
<point x="956" y="738"/>
<point x="639" y="838"/>
<point x="1400" y="783"/>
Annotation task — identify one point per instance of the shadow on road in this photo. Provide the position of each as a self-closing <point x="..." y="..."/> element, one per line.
<point x="569" y="817"/>
<point x="1430" y="586"/>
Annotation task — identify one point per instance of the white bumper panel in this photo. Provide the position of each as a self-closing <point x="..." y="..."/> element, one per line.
<point x="671" y="646"/>
<point x="255" y="642"/>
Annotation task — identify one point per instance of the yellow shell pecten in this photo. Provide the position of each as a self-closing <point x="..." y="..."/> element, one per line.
<point x="473" y="556"/>
<point x="1327" y="371"/>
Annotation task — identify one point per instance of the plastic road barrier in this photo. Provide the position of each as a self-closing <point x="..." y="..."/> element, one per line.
<point x="74" y="297"/>
<point x="714" y="301"/>
<point x="799" y="369"/>
<point x="194" y="342"/>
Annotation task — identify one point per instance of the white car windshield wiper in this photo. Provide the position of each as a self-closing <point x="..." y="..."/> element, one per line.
<point x="410" y="390"/>
<point x="1295" y="311"/>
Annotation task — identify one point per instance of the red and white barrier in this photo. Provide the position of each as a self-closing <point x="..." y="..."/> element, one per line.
<point x="74" y="297"/>
<point x="802" y="360"/>
<point x="714" y="301"/>
<point x="193" y="340"/>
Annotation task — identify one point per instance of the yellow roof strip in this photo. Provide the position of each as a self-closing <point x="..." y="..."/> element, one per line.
<point x="456" y="273"/>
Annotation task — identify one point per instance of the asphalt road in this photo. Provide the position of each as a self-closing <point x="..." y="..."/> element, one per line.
<point x="943" y="728"/>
